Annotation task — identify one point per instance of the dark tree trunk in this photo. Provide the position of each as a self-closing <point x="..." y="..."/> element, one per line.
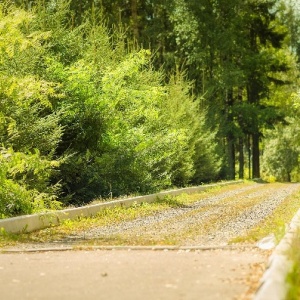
<point x="255" y="156"/>
<point x="249" y="155"/>
<point x="230" y="137"/>
<point x="134" y="15"/>
<point x="253" y="98"/>
<point x="289" y="177"/>
<point x="241" y="138"/>
<point x="241" y="158"/>
<point x="231" y="156"/>
<point x="254" y="88"/>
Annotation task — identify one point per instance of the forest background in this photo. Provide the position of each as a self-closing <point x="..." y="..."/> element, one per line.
<point x="109" y="98"/>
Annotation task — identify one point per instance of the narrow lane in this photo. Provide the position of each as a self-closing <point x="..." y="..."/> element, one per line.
<point x="214" y="220"/>
<point x="150" y="275"/>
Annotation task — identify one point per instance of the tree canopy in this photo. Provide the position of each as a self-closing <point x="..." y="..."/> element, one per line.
<point x="102" y="98"/>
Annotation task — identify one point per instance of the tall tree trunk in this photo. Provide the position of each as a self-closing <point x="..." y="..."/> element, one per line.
<point x="134" y="15"/>
<point x="241" y="138"/>
<point x="253" y="98"/>
<point x="230" y="137"/>
<point x="241" y="158"/>
<point x="253" y="90"/>
<point x="249" y="156"/>
<point x="289" y="177"/>
<point x="255" y="155"/>
<point x="231" y="156"/>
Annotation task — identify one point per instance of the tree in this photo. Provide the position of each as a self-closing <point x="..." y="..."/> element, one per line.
<point x="232" y="51"/>
<point x="26" y="154"/>
<point x="126" y="128"/>
<point x="281" y="146"/>
<point x="281" y="153"/>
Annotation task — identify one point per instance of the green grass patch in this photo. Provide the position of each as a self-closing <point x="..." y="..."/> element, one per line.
<point x="9" y="239"/>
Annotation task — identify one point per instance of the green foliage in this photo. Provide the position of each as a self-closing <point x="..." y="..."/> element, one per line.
<point x="80" y="99"/>
<point x="83" y="106"/>
<point x="207" y="158"/>
<point x="282" y="147"/>
<point x="281" y="153"/>
<point x="142" y="132"/>
<point x="24" y="183"/>
<point x="237" y="53"/>
<point x="29" y="129"/>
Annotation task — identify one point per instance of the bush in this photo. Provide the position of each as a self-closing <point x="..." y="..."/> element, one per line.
<point x="79" y="110"/>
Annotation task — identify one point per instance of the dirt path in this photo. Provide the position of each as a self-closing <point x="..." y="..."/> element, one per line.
<point x="170" y="275"/>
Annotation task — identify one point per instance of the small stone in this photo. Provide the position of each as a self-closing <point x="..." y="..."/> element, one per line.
<point x="267" y="243"/>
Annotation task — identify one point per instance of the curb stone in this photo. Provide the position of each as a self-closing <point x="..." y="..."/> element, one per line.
<point x="273" y="283"/>
<point x="29" y="223"/>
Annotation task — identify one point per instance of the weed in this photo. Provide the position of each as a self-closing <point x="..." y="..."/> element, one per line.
<point x="293" y="278"/>
<point x="9" y="238"/>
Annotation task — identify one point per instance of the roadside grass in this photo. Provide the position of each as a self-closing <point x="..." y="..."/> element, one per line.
<point x="275" y="223"/>
<point x="293" y="278"/>
<point x="8" y="239"/>
<point x="112" y="216"/>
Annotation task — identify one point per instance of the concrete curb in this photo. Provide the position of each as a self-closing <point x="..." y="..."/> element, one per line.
<point x="273" y="283"/>
<point x="30" y="223"/>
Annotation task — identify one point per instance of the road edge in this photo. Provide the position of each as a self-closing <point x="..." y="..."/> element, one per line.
<point x="29" y="223"/>
<point x="273" y="285"/>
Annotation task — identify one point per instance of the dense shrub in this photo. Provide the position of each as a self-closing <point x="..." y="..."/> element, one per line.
<point x="83" y="117"/>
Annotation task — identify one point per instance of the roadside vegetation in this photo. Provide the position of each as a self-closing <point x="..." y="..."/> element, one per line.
<point x="293" y="278"/>
<point x="110" y="216"/>
<point x="111" y="98"/>
<point x="185" y="225"/>
<point x="83" y="117"/>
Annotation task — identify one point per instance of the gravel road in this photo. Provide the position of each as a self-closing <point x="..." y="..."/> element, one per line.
<point x="180" y="274"/>
<point x="211" y="221"/>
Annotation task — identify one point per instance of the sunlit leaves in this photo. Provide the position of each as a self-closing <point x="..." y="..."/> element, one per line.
<point x="29" y="130"/>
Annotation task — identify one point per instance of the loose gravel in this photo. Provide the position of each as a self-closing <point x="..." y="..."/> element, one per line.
<point x="212" y="221"/>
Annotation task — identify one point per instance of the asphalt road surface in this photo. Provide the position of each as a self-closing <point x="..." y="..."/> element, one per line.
<point x="129" y="275"/>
